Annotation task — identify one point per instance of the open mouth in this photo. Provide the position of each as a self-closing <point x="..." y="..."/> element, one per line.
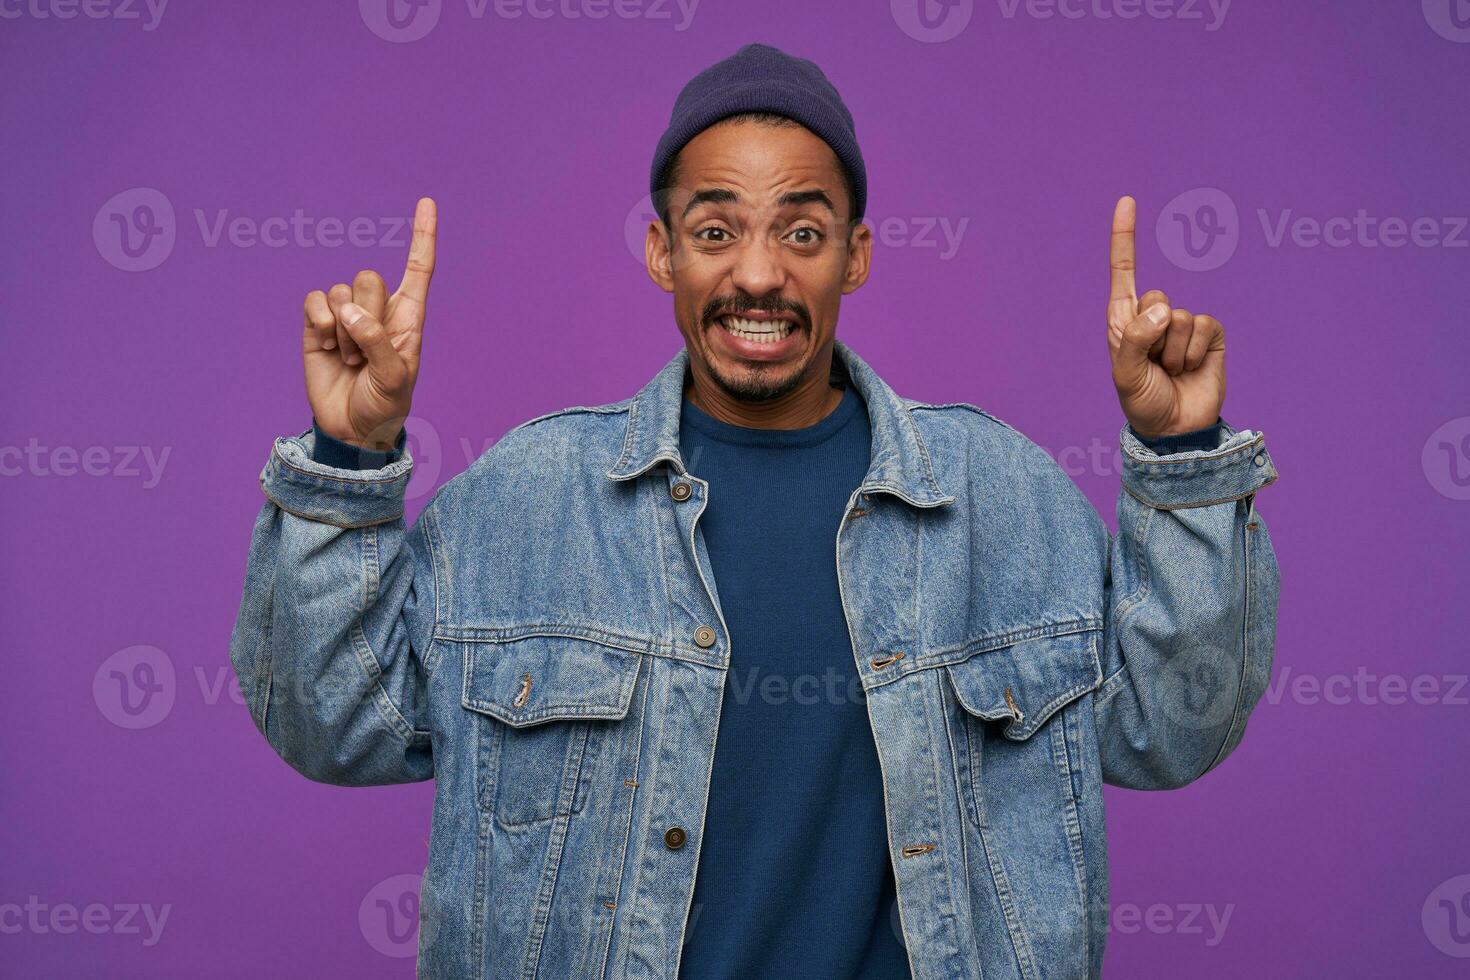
<point x="766" y="331"/>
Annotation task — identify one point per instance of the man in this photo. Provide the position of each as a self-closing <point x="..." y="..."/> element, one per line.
<point x="671" y="735"/>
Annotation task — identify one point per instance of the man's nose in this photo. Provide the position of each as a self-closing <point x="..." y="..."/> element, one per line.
<point x="758" y="270"/>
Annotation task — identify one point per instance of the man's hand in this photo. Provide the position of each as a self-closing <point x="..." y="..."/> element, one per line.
<point x="361" y="346"/>
<point x="1168" y="364"/>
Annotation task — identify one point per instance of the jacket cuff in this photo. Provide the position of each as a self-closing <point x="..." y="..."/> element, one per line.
<point x="1204" y="439"/>
<point x="1235" y="469"/>
<point x="300" y="485"/>
<point x="345" y="456"/>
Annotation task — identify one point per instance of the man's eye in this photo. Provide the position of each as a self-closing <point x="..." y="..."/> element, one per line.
<point x="813" y="235"/>
<point x="712" y="230"/>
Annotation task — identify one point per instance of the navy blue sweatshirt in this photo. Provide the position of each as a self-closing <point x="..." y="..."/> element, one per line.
<point x="794" y="877"/>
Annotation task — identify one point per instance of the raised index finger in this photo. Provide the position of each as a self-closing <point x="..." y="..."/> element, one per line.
<point x="1123" y="298"/>
<point x="420" y="267"/>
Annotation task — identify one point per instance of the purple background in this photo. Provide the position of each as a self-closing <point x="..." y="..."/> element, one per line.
<point x="1326" y="834"/>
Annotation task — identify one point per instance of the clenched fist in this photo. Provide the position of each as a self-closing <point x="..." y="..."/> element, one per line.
<point x="361" y="346"/>
<point x="1168" y="364"/>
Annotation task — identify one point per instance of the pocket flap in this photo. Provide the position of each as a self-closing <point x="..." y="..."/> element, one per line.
<point x="1025" y="683"/>
<point x="536" y="679"/>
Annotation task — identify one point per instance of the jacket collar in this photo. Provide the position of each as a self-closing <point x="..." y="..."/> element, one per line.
<point x="899" y="461"/>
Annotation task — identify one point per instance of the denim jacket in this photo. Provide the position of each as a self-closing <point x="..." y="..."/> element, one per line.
<point x="546" y="643"/>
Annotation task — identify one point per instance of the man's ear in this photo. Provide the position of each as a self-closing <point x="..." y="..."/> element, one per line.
<point x="658" y="253"/>
<point x="859" y="258"/>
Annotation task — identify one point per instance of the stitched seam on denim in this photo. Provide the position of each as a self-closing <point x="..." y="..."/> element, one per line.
<point x="660" y="515"/>
<point x="510" y="634"/>
<point x="550" y="871"/>
<point x="629" y="437"/>
<point x="627" y="826"/>
<point x="1192" y="504"/>
<point x="482" y="880"/>
<point x="1136" y="600"/>
<point x="557" y="712"/>
<point x="363" y="650"/>
<point x="265" y="660"/>
<point x="945" y="656"/>
<point x="322" y="520"/>
<point x="1020" y="943"/>
<point x="899" y="492"/>
<point x="948" y="913"/>
<point x="1072" y="822"/>
<point x="912" y="427"/>
<point x="1237" y="720"/>
<point x="431" y="530"/>
<point x="577" y="742"/>
<point x="651" y="648"/>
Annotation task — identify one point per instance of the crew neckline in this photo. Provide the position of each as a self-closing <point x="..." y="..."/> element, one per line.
<point x="743" y="435"/>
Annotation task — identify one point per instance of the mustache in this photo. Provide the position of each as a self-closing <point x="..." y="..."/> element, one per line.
<point x="736" y="305"/>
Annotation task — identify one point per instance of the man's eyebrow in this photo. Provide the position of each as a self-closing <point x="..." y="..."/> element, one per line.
<point x="722" y="195"/>
<point x="715" y="195"/>
<point x="796" y="198"/>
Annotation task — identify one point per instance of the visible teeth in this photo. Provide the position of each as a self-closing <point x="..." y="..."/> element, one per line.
<point x="759" y="331"/>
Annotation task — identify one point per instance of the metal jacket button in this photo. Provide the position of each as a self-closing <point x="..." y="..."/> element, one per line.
<point x="704" y="636"/>
<point x="674" y="838"/>
<point x="680" y="491"/>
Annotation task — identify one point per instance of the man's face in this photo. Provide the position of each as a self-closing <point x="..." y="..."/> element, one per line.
<point x="760" y="257"/>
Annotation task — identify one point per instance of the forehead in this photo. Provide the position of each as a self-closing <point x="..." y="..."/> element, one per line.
<point x="756" y="158"/>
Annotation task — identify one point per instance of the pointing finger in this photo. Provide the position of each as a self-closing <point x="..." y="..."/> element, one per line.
<point x="1122" y="263"/>
<point x="420" y="267"/>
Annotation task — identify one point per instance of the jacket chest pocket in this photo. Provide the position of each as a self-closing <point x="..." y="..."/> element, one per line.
<point x="547" y="706"/>
<point x="1018" y="743"/>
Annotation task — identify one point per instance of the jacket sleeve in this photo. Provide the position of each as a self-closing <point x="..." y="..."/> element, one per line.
<point x="333" y="642"/>
<point x="1192" y="591"/>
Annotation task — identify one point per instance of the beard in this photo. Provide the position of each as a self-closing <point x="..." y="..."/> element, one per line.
<point x="764" y="382"/>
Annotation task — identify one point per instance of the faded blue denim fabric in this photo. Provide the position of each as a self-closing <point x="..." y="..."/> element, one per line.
<point x="546" y="643"/>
